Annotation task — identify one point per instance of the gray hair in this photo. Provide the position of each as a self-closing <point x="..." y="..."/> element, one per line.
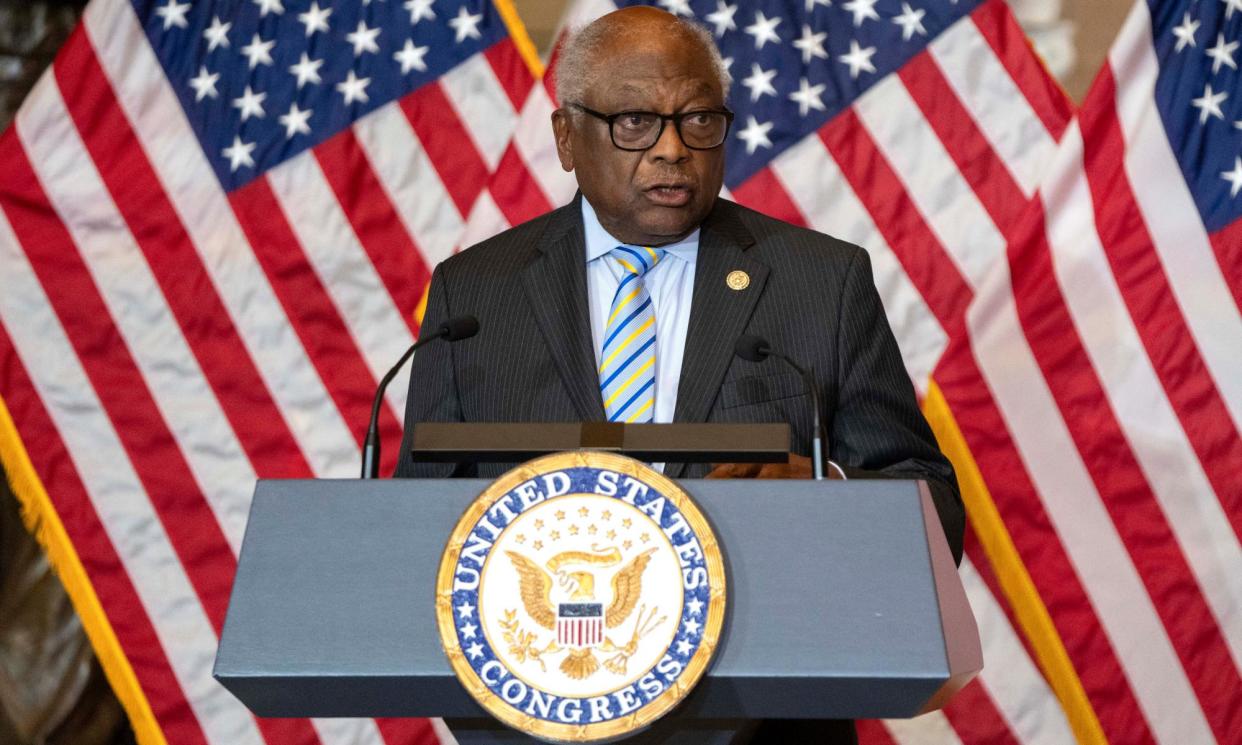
<point x="581" y="45"/>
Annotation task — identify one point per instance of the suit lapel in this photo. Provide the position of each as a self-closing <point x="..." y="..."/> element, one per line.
<point x="718" y="313"/>
<point x="555" y="284"/>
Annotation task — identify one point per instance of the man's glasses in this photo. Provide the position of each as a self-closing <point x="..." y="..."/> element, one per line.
<point x="640" y="130"/>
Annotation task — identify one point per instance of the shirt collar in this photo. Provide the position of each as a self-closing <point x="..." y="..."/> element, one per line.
<point x="599" y="241"/>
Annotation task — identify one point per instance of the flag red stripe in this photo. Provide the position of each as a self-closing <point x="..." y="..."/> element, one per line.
<point x="406" y="731"/>
<point x="892" y="210"/>
<point x="511" y="71"/>
<point x="1227" y="245"/>
<point x="315" y="319"/>
<point x="549" y="75"/>
<point x="1012" y="47"/>
<point x="873" y="732"/>
<point x="108" y="577"/>
<point x="1119" y="479"/>
<point x="515" y="190"/>
<point x="989" y="439"/>
<point x="1137" y="268"/>
<point x="975" y="718"/>
<point x="447" y="143"/>
<point x="970" y="150"/>
<point x="366" y="204"/>
<point x="764" y="192"/>
<point x="188" y="290"/>
<point x="192" y="528"/>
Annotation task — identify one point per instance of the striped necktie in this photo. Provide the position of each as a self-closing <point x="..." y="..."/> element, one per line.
<point x="627" y="359"/>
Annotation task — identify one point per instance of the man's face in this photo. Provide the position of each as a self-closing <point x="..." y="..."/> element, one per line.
<point x="659" y="195"/>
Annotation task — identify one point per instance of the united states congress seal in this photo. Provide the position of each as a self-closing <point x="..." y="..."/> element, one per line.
<point x="580" y="597"/>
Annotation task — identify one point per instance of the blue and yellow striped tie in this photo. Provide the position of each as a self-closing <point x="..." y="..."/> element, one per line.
<point x="627" y="359"/>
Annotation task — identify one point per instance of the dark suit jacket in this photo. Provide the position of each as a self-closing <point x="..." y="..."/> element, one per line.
<point x="810" y="295"/>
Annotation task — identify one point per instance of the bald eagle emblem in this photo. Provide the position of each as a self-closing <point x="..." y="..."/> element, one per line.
<point x="563" y="598"/>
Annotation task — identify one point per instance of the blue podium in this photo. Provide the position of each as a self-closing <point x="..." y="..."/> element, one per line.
<point x="844" y="603"/>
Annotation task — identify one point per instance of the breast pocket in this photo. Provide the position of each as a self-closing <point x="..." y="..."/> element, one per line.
<point x="761" y="389"/>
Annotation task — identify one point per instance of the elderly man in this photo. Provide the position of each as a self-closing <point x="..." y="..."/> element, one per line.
<point x="625" y="304"/>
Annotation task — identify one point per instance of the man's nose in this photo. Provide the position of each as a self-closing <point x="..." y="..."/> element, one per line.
<point x="669" y="147"/>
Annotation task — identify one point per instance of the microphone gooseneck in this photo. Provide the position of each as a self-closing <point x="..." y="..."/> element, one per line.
<point x="454" y="329"/>
<point x="754" y="348"/>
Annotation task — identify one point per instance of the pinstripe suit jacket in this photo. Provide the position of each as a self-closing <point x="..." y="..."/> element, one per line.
<point x="809" y="294"/>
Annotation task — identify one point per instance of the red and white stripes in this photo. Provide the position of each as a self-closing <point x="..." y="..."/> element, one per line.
<point x="1109" y="417"/>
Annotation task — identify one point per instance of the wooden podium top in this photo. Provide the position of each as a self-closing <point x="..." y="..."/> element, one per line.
<point x="458" y="442"/>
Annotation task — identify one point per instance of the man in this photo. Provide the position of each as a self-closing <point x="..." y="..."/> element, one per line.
<point x="625" y="304"/>
<point x="695" y="272"/>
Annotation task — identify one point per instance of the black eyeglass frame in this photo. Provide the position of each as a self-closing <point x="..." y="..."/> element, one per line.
<point x="664" y="120"/>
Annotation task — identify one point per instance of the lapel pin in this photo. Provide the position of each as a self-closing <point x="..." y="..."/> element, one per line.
<point x="737" y="280"/>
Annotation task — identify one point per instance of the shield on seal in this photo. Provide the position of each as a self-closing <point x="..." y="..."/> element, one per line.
<point x="579" y="625"/>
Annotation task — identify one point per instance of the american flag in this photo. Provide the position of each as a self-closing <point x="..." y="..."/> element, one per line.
<point x="217" y="220"/>
<point x="1098" y="385"/>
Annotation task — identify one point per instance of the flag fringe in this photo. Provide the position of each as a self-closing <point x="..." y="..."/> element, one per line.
<point x="1015" y="581"/>
<point x="42" y="521"/>
<point x="521" y="39"/>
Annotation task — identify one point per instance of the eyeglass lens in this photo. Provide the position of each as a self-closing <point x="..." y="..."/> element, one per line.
<point x="639" y="130"/>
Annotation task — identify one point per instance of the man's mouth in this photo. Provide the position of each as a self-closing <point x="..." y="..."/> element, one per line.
<point x="669" y="194"/>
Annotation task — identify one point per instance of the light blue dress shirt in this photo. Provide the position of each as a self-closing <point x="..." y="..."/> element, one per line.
<point x="671" y="285"/>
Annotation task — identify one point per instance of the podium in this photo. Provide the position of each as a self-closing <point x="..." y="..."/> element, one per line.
<point x="844" y="603"/>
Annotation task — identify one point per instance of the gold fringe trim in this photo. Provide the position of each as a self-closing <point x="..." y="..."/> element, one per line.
<point x="421" y="309"/>
<point x="521" y="39"/>
<point x="1014" y="579"/>
<point x="41" y="519"/>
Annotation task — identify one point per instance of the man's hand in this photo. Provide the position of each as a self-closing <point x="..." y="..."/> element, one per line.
<point x="798" y="467"/>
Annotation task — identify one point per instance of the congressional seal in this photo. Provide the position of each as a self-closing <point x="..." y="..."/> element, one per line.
<point x="580" y="597"/>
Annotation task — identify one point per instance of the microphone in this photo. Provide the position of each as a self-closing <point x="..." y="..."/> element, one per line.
<point x="757" y="349"/>
<point x="454" y="329"/>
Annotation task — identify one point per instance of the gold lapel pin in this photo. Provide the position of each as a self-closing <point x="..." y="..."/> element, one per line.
<point x="737" y="280"/>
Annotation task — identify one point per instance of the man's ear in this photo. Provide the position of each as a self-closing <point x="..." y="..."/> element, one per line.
<point x="561" y="127"/>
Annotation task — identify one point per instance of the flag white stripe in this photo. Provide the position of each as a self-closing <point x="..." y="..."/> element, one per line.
<point x="442" y="732"/>
<point x="1084" y="527"/>
<point x="1172" y="217"/>
<point x="118" y="497"/>
<point x="931" y="178"/>
<point x="1020" y="693"/>
<point x="486" y="220"/>
<point x="347" y="731"/>
<point x="409" y="178"/>
<point x="533" y="139"/>
<point x="155" y="113"/>
<point x="995" y="102"/>
<point x="1117" y="354"/>
<point x="482" y="105"/>
<point x="929" y="729"/>
<point x="343" y="266"/>
<point x="137" y="307"/>
<point x="823" y="196"/>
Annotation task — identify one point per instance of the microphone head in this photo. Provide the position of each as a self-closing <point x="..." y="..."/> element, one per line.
<point x="752" y="348"/>
<point x="459" y="327"/>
